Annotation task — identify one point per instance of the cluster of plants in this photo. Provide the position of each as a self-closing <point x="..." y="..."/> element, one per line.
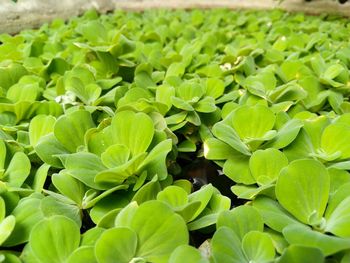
<point x="164" y="136"/>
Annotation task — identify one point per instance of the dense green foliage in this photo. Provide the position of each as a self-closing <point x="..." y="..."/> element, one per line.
<point x="115" y="131"/>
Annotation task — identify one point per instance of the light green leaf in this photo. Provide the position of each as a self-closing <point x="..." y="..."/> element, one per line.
<point x="265" y="165"/>
<point x="64" y="238"/>
<point x="84" y="166"/>
<point x="18" y="170"/>
<point x="206" y="105"/>
<point x="47" y="148"/>
<point x="174" y="196"/>
<point x="215" y="149"/>
<point x="40" y="177"/>
<point x="273" y="214"/>
<point x="181" y="104"/>
<point x="6" y="227"/>
<point x="203" y="195"/>
<point x="147" y="192"/>
<point x="134" y="130"/>
<point x="39" y="126"/>
<point x="228" y="135"/>
<point x="83" y="254"/>
<point x="237" y="169"/>
<point x="159" y="231"/>
<point x="27" y="215"/>
<point x="214" y="87"/>
<point x="241" y="220"/>
<point x="116" y="245"/>
<point x="191" y="254"/>
<point x="297" y="254"/>
<point x="226" y="247"/>
<point x="155" y="161"/>
<point x="302" y="188"/>
<point x="334" y="139"/>
<point x="28" y="89"/>
<point x="70" y="129"/>
<point x="94" y="32"/>
<point x="176" y="70"/>
<point x="338" y="221"/>
<point x="118" y="174"/>
<point x="286" y="134"/>
<point x="87" y="93"/>
<point x="69" y="186"/>
<point x="258" y="247"/>
<point x="115" y="155"/>
<point x="51" y="206"/>
<point x="333" y="71"/>
<point x="304" y="236"/>
<point x="261" y="120"/>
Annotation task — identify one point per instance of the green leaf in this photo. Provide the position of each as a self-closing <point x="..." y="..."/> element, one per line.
<point x="6" y="227"/>
<point x="18" y="170"/>
<point x="155" y="162"/>
<point x="226" y="247"/>
<point x="40" y="177"/>
<point x="215" y="149"/>
<point x="134" y="130"/>
<point x="51" y="206"/>
<point x="39" y="126"/>
<point x="64" y="238"/>
<point x="84" y="167"/>
<point x="159" y="231"/>
<point x="214" y="87"/>
<point x="28" y="89"/>
<point x="69" y="186"/>
<point x="2" y="209"/>
<point x="304" y="236"/>
<point x="94" y="32"/>
<point x="261" y="120"/>
<point x="116" y="245"/>
<point x="203" y="195"/>
<point x="181" y="104"/>
<point x="237" y="169"/>
<point x="191" y="254"/>
<point x="265" y="165"/>
<point x="83" y="254"/>
<point x="164" y="93"/>
<point x="250" y="192"/>
<point x="27" y="215"/>
<point x="87" y="93"/>
<point x="241" y="220"/>
<point x="47" y="148"/>
<point x="334" y="139"/>
<point x="333" y="71"/>
<point x="174" y="196"/>
<point x="337" y="222"/>
<point x="10" y="74"/>
<point x="115" y="155"/>
<point x="302" y="188"/>
<point x="106" y="204"/>
<point x="190" y="91"/>
<point x="175" y="70"/>
<point x="90" y="237"/>
<point x="118" y="174"/>
<point x="186" y="146"/>
<point x="206" y="105"/>
<point x="286" y="134"/>
<point x="297" y="254"/>
<point x="228" y="135"/>
<point x="147" y="192"/>
<point x="70" y="129"/>
<point x="258" y="247"/>
<point x="273" y="214"/>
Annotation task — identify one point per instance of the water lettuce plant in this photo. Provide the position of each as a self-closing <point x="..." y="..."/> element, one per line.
<point x="204" y="135"/>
